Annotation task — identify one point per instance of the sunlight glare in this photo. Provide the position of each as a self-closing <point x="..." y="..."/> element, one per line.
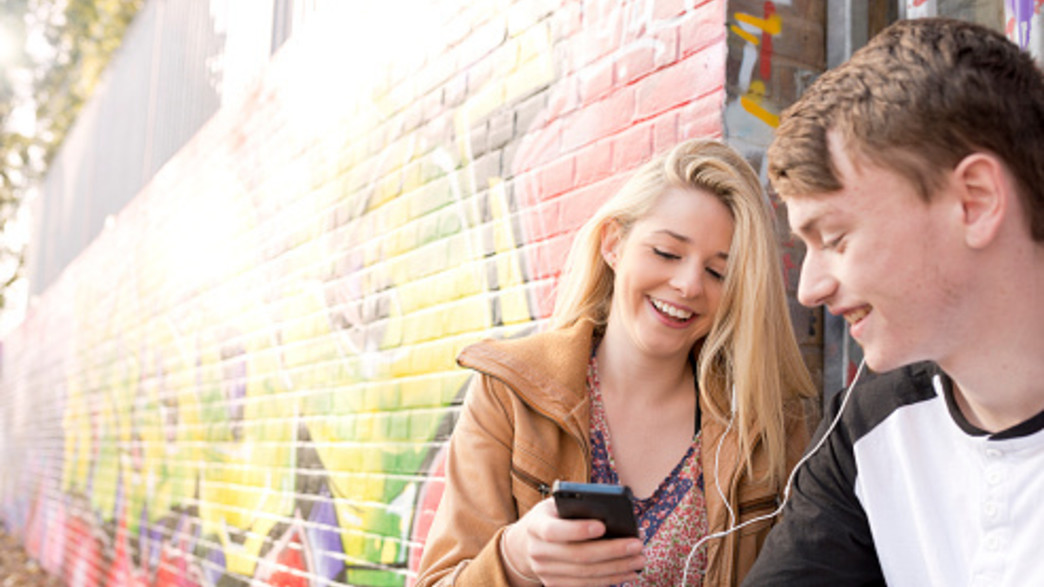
<point x="8" y="47"/>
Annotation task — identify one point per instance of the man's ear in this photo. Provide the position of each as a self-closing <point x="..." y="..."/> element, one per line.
<point x="986" y="192"/>
<point x="612" y="235"/>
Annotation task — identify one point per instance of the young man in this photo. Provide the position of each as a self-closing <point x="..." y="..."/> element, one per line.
<point x="914" y="174"/>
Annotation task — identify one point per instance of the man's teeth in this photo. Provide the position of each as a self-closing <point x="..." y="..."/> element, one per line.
<point x="672" y="311"/>
<point x="856" y="315"/>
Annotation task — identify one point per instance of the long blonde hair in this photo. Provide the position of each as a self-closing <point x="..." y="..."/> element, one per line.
<point x="751" y="346"/>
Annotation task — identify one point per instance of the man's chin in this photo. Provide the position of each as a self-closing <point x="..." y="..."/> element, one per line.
<point x="881" y="362"/>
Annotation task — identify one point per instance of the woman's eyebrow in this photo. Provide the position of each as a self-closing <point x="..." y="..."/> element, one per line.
<point x="681" y="237"/>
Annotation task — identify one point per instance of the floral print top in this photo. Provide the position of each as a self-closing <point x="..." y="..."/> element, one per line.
<point x="673" y="518"/>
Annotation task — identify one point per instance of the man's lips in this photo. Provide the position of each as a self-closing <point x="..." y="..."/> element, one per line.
<point x="857" y="314"/>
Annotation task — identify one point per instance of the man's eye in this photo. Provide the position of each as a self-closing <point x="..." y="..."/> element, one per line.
<point x="665" y="254"/>
<point x="834" y="244"/>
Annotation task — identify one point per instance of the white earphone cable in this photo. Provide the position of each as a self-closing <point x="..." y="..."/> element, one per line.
<point x="790" y="479"/>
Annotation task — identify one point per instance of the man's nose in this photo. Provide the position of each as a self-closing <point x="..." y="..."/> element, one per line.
<point x="817" y="282"/>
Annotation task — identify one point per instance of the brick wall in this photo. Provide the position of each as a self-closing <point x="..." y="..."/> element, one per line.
<point x="249" y="376"/>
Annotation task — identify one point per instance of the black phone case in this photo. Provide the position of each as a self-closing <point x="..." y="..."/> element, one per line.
<point x="609" y="503"/>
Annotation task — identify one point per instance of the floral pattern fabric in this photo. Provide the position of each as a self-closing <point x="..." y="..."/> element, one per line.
<point x="672" y="519"/>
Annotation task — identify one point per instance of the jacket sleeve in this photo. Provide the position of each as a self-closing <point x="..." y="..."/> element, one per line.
<point x="462" y="545"/>
<point x="824" y="537"/>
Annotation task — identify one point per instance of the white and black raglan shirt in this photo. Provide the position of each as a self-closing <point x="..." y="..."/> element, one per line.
<point x="906" y="492"/>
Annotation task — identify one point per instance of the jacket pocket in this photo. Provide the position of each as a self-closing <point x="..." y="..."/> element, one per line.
<point x="527" y="489"/>
<point x="752" y="537"/>
<point x="758" y="508"/>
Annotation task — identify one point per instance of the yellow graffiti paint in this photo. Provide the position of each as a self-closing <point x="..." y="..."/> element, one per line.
<point x="751" y="102"/>
<point x="772" y="25"/>
<point x="745" y="35"/>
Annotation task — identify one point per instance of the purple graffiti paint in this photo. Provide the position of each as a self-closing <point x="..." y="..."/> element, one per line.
<point x="324" y="537"/>
<point x="1020" y="15"/>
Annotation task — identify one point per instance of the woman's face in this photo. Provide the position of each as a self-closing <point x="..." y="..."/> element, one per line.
<point x="670" y="270"/>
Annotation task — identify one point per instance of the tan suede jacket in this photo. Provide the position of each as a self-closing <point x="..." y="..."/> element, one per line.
<point x="524" y="424"/>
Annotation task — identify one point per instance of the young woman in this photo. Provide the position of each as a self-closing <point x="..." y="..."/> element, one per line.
<point x="670" y="366"/>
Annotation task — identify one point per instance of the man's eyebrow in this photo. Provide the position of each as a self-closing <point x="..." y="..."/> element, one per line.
<point x="810" y="225"/>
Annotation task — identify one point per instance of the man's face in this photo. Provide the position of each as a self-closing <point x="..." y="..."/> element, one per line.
<point x="880" y="256"/>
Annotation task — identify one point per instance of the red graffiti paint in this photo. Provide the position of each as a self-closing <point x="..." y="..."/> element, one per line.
<point x="290" y="558"/>
<point x="788" y="266"/>
<point x="122" y="570"/>
<point x="427" y="503"/>
<point x="174" y="570"/>
<point x="83" y="555"/>
<point x="765" y="68"/>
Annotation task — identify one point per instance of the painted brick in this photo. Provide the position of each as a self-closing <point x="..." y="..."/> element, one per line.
<point x="593" y="163"/>
<point x="262" y="346"/>
<point x="701" y="28"/>
<point x="701" y="118"/>
<point x="632" y="147"/>
<point x="528" y="113"/>
<point x="634" y="64"/>
<point x="665" y="42"/>
<point x="576" y="207"/>
<point x="599" y="120"/>
<point x="565" y="21"/>
<point x="454" y="91"/>
<point x="557" y="177"/>
<point x="501" y="129"/>
<point x="665" y="9"/>
<point x="681" y="83"/>
<point x="594" y="83"/>
<point x="531" y="77"/>
<point x="534" y="43"/>
<point x="665" y="132"/>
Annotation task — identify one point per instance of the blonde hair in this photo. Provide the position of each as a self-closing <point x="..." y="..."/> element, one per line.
<point x="751" y="346"/>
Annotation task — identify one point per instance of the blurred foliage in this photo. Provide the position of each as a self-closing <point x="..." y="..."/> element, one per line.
<point x="84" y="34"/>
<point x="61" y="48"/>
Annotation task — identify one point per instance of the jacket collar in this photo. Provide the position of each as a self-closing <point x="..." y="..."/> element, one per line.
<point x="547" y="370"/>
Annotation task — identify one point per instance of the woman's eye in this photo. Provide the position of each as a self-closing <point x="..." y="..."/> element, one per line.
<point x="665" y="254"/>
<point x="720" y="276"/>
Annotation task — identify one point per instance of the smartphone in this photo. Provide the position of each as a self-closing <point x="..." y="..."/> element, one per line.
<point x="611" y="504"/>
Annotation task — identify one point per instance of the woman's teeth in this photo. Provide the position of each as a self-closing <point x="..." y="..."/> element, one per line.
<point x="672" y="311"/>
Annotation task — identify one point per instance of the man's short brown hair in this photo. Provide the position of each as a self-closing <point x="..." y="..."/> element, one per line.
<point x="921" y="96"/>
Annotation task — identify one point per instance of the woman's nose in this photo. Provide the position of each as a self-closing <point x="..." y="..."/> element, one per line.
<point x="688" y="282"/>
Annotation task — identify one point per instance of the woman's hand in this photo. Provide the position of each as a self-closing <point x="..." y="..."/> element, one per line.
<point x="541" y="547"/>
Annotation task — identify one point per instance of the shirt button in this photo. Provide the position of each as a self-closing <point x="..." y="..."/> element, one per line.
<point x="993" y="453"/>
<point x="993" y="478"/>
<point x="991" y="510"/>
<point x="993" y="543"/>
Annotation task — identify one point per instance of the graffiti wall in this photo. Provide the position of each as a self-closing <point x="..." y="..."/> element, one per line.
<point x="775" y="50"/>
<point x="249" y="377"/>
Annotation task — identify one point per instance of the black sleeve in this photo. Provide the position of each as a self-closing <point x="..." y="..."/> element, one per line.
<point x="824" y="537"/>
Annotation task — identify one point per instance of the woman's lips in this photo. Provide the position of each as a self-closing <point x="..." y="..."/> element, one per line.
<point x="671" y="311"/>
